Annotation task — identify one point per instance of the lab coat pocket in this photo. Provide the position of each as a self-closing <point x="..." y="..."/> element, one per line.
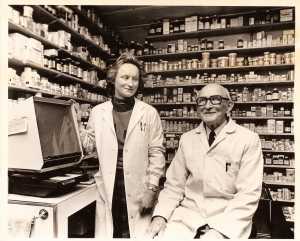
<point x="218" y="182"/>
<point x="231" y="172"/>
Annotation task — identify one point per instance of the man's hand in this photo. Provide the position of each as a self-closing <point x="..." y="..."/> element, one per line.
<point x="156" y="227"/>
<point x="212" y="234"/>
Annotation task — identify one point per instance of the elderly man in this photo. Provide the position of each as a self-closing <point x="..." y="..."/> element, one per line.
<point x="214" y="182"/>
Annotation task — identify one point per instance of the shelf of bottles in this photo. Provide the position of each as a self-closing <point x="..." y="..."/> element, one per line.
<point x="195" y="26"/>
<point x="49" y="60"/>
<point x="83" y="59"/>
<point x="55" y="94"/>
<point x="252" y="55"/>
<point x="91" y="18"/>
<point x="64" y="18"/>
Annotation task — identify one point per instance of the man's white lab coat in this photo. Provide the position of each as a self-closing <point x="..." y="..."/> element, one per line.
<point x="218" y="185"/>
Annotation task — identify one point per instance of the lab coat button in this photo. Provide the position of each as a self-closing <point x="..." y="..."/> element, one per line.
<point x="126" y="150"/>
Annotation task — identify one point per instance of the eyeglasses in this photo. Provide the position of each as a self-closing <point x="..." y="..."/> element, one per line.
<point x="214" y="100"/>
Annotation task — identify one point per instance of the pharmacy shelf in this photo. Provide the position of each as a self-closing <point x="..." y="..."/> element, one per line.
<point x="278" y="152"/>
<point x="260" y="134"/>
<point x="172" y="104"/>
<point x="235" y="102"/>
<point x="278" y="183"/>
<point x="217" y="52"/>
<point x="284" y="201"/>
<point x="242" y="83"/>
<point x="225" y="31"/>
<point x="75" y="35"/>
<point x="174" y="132"/>
<point x="180" y="118"/>
<point x="263" y="118"/>
<point x="234" y="118"/>
<point x="279" y="166"/>
<point x="54" y="73"/>
<point x="263" y="102"/>
<point x="225" y="69"/>
<point x="277" y="134"/>
<point x="47" y="93"/>
<point x="49" y="45"/>
<point x="280" y="200"/>
<point x="12" y="27"/>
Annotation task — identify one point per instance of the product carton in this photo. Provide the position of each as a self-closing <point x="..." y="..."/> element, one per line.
<point x="271" y="126"/>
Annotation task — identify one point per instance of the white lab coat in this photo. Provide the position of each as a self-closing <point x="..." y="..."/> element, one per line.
<point x="143" y="160"/>
<point x="218" y="185"/>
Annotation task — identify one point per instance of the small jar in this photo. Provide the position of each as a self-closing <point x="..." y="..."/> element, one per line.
<point x="278" y="58"/>
<point x="240" y="61"/>
<point x="59" y="66"/>
<point x="272" y="59"/>
<point x="209" y="45"/>
<point x="214" y="63"/>
<point x="223" y="22"/>
<point x="287" y="59"/>
<point x="240" y="43"/>
<point x="221" y="44"/>
<point x="79" y="69"/>
<point x="260" y="61"/>
<point x="232" y="59"/>
<point x="205" y="55"/>
<point x="251" y="21"/>
<point x="223" y="62"/>
<point x="194" y="63"/>
<point x="203" y="44"/>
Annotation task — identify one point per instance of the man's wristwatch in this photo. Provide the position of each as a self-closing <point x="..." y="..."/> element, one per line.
<point x="153" y="188"/>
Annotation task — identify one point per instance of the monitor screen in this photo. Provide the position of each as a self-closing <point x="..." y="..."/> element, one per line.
<point x="56" y="129"/>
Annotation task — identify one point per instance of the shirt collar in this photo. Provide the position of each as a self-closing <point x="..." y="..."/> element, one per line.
<point x="217" y="130"/>
<point x="228" y="127"/>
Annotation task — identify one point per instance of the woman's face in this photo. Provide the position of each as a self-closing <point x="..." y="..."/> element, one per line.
<point x="127" y="81"/>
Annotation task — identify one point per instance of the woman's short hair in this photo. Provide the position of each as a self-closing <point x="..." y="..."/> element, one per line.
<point x="124" y="58"/>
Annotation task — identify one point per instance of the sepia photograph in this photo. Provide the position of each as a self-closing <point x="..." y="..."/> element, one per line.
<point x="149" y="120"/>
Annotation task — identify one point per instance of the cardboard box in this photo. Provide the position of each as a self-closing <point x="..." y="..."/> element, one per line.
<point x="269" y="110"/>
<point x="286" y="15"/>
<point x="279" y="126"/>
<point x="191" y="24"/>
<point x="271" y="126"/>
<point x="166" y="26"/>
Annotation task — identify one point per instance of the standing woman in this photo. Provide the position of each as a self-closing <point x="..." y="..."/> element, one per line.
<point x="129" y="141"/>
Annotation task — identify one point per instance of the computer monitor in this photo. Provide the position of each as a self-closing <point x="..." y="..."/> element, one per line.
<point x="43" y="136"/>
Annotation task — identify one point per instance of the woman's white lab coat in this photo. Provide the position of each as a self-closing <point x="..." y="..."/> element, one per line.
<point x="143" y="162"/>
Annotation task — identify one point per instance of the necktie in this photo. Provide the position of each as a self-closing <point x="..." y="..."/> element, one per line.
<point x="211" y="137"/>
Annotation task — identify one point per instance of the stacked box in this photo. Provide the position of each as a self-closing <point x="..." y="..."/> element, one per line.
<point x="271" y="126"/>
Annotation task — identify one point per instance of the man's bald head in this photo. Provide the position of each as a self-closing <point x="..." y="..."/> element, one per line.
<point x="216" y="89"/>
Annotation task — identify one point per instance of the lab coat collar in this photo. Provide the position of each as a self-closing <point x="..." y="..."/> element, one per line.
<point x="136" y="115"/>
<point x="227" y="129"/>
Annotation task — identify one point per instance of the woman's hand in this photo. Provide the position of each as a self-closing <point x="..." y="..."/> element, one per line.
<point x="147" y="201"/>
<point x="157" y="227"/>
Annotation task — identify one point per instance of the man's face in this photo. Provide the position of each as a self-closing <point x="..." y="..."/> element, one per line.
<point x="213" y="115"/>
